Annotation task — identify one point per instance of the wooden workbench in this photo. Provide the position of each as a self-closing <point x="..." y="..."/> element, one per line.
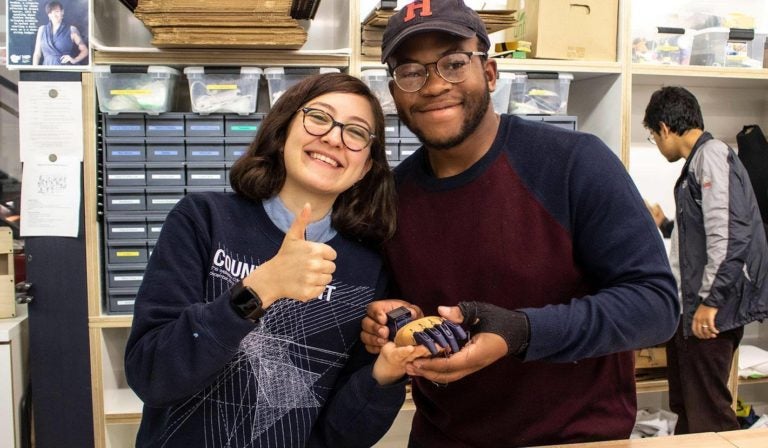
<point x="747" y="438"/>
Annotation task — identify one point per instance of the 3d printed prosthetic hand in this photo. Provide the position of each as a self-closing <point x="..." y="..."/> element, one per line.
<point x="435" y="333"/>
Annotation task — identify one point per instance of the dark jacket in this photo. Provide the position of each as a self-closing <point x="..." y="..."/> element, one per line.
<point x="723" y="251"/>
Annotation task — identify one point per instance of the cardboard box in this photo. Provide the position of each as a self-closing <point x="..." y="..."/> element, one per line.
<point x="570" y="29"/>
<point x="651" y="357"/>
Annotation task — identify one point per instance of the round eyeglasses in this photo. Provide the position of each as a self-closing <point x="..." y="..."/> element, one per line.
<point x="318" y="123"/>
<point x="453" y="67"/>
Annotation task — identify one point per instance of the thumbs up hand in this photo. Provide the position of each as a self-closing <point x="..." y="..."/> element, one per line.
<point x="300" y="270"/>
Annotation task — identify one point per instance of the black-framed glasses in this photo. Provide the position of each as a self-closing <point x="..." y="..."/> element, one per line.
<point x="318" y="123"/>
<point x="651" y="138"/>
<point x="453" y="67"/>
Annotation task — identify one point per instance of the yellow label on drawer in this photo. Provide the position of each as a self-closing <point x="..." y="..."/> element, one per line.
<point x="127" y="253"/>
<point x="221" y="86"/>
<point x="130" y="92"/>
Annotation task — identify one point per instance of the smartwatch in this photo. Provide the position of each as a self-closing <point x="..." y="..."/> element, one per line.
<point x="396" y="319"/>
<point x="246" y="303"/>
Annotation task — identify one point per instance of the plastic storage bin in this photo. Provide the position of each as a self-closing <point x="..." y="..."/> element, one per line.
<point x="544" y="94"/>
<point x="741" y="50"/>
<point x="223" y="89"/>
<point x="668" y="44"/>
<point x="671" y="46"/>
<point x="757" y="49"/>
<point x="378" y="80"/>
<point x="721" y="47"/>
<point x="504" y="85"/>
<point x="146" y="89"/>
<point x="280" y="79"/>
<point x="709" y="46"/>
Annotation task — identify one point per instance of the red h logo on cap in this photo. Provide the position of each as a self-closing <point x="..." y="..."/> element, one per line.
<point x="424" y="6"/>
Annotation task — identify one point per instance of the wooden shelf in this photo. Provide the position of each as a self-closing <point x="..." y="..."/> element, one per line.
<point x="122" y="406"/>
<point x="750" y="381"/>
<point x="647" y="386"/>
<point x="230" y="57"/>
<point x="113" y="321"/>
<point x="699" y="71"/>
<point x="700" y="76"/>
<point x="580" y="69"/>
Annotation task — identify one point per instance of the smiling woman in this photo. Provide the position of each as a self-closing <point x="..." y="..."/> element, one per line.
<point x="58" y="42"/>
<point x="261" y="172"/>
<point x="268" y="299"/>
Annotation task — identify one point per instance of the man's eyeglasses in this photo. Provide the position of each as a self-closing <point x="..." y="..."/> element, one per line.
<point x="453" y="67"/>
<point x="651" y="138"/>
<point x="318" y="123"/>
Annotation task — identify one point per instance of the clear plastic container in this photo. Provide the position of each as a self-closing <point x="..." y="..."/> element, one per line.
<point x="280" y="79"/>
<point x="709" y="46"/>
<point x="744" y="48"/>
<point x="223" y="89"/>
<point x="517" y="93"/>
<point x="671" y="46"/>
<point x="505" y="84"/>
<point x="146" y="89"/>
<point x="545" y="94"/>
<point x="378" y="81"/>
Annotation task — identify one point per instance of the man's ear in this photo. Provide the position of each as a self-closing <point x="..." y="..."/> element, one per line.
<point x="663" y="129"/>
<point x="491" y="73"/>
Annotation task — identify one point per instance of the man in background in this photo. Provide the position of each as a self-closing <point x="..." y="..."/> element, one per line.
<point x="719" y="256"/>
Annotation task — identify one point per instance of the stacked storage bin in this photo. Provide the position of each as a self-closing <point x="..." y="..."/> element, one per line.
<point x="146" y="89"/>
<point x="542" y="96"/>
<point x="150" y="161"/>
<point x="397" y="143"/>
<point x="279" y="79"/>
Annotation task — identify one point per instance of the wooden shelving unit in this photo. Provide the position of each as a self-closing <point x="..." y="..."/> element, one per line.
<point x="607" y="97"/>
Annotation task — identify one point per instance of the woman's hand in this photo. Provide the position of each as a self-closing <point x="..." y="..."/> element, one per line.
<point x="300" y="270"/>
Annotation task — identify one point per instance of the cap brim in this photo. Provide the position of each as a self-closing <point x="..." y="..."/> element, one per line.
<point x="443" y="27"/>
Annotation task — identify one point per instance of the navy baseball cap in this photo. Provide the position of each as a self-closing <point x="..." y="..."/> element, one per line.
<point x="447" y="16"/>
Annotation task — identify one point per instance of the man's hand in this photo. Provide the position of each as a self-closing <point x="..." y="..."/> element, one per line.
<point x="482" y="350"/>
<point x="703" y="325"/>
<point x="375" y="332"/>
<point x="496" y="332"/>
<point x="656" y="212"/>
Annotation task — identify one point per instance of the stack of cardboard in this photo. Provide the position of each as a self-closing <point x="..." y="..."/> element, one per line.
<point x="260" y="24"/>
<point x="373" y="26"/>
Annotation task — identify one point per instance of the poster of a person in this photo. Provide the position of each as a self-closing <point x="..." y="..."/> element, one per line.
<point x="48" y="34"/>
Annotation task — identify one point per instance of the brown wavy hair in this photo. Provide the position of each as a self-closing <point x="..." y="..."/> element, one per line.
<point x="366" y="211"/>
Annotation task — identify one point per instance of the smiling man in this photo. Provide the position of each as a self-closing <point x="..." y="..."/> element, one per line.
<point x="532" y="236"/>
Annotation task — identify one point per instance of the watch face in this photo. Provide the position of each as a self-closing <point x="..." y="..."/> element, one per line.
<point x="246" y="302"/>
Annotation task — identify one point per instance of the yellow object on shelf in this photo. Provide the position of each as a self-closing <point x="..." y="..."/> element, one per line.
<point x="513" y="45"/>
<point x="739" y="20"/>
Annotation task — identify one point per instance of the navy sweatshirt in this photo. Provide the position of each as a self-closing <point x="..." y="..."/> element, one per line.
<point x="550" y="223"/>
<point x="208" y="378"/>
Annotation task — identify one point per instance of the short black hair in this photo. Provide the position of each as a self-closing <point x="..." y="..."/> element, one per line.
<point x="676" y="107"/>
<point x="50" y="6"/>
